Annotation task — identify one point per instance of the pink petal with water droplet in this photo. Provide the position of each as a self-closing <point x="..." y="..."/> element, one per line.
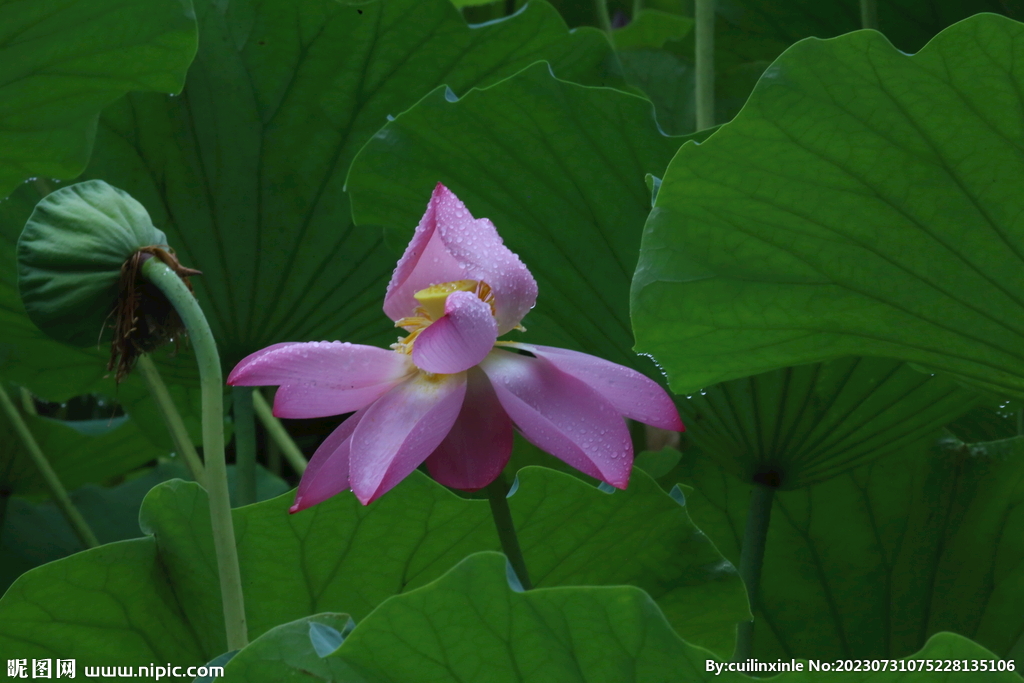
<point x="327" y="472"/>
<point x="562" y="415"/>
<point x="479" y="444"/>
<point x="633" y="394"/>
<point x="449" y="244"/>
<point x="319" y="379"/>
<point x="400" y="430"/>
<point x="426" y="262"/>
<point x="460" y="339"/>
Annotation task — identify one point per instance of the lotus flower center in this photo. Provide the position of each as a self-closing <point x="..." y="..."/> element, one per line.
<point x="433" y="298"/>
<point x="431" y="307"/>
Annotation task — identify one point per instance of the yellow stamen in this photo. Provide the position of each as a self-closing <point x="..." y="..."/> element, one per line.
<point x="432" y="298"/>
<point x="432" y="301"/>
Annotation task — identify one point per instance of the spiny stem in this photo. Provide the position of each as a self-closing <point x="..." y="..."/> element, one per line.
<point x="704" y="58"/>
<point x="172" y="418"/>
<point x="751" y="559"/>
<point x="245" y="445"/>
<point x="211" y="381"/>
<point x="497" y="495"/>
<point x="278" y="433"/>
<point x="53" y="483"/>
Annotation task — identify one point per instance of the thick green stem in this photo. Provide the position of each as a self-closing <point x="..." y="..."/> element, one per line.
<point x="497" y="494"/>
<point x="638" y="6"/>
<point x="211" y="381"/>
<point x="704" y="58"/>
<point x="245" y="445"/>
<point x="57" y="491"/>
<point x="172" y="418"/>
<point x="278" y="433"/>
<point x="28" y="404"/>
<point x="603" y="19"/>
<point x="751" y="558"/>
<point x="869" y="14"/>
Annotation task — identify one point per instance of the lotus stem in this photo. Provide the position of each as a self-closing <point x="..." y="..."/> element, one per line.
<point x="212" y="382"/>
<point x="172" y="418"/>
<point x="497" y="495"/>
<point x="28" y="404"/>
<point x="751" y="560"/>
<point x="278" y="433"/>
<point x="704" y="58"/>
<point x="601" y="8"/>
<point x="245" y="445"/>
<point x="869" y="14"/>
<point x="57" y="491"/>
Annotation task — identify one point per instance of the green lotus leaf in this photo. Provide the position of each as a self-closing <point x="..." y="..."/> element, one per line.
<point x="796" y="426"/>
<point x="35" y="533"/>
<point x="285" y="652"/>
<point x="332" y="558"/>
<point x="470" y="626"/>
<point x="245" y="170"/>
<point x="651" y="29"/>
<point x="61" y="62"/>
<point x="76" y="457"/>
<point x="70" y="257"/>
<point x="864" y="202"/>
<point x="874" y="562"/>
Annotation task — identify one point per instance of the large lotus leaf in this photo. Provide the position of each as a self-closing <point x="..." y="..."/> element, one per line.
<point x="37" y="533"/>
<point x="795" y="426"/>
<point x="873" y="562"/>
<point x="559" y="168"/>
<point x="993" y="420"/>
<point x="749" y="34"/>
<point x="245" y="170"/>
<point x="76" y="456"/>
<point x="749" y="30"/>
<point x="70" y="256"/>
<point x="864" y="202"/>
<point x="34" y="533"/>
<point x="287" y="652"/>
<point x="469" y="626"/>
<point x="62" y="61"/>
<point x="342" y="556"/>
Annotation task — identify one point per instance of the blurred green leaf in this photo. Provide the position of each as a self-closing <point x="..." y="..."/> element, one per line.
<point x="77" y="458"/>
<point x="993" y="420"/>
<point x="341" y="555"/>
<point x="36" y="533"/>
<point x="62" y="61"/>
<point x="651" y="28"/>
<point x="872" y="563"/>
<point x="750" y="34"/>
<point x="864" y="202"/>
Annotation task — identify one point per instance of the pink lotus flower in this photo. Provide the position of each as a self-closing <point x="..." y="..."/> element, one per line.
<point x="450" y="393"/>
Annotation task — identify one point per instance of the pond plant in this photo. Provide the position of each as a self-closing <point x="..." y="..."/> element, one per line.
<point x="795" y="227"/>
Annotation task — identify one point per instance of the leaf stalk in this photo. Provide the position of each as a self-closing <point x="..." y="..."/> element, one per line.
<point x="211" y="381"/>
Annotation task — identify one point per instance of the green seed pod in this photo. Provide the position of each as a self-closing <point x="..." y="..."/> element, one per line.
<point x="78" y="271"/>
